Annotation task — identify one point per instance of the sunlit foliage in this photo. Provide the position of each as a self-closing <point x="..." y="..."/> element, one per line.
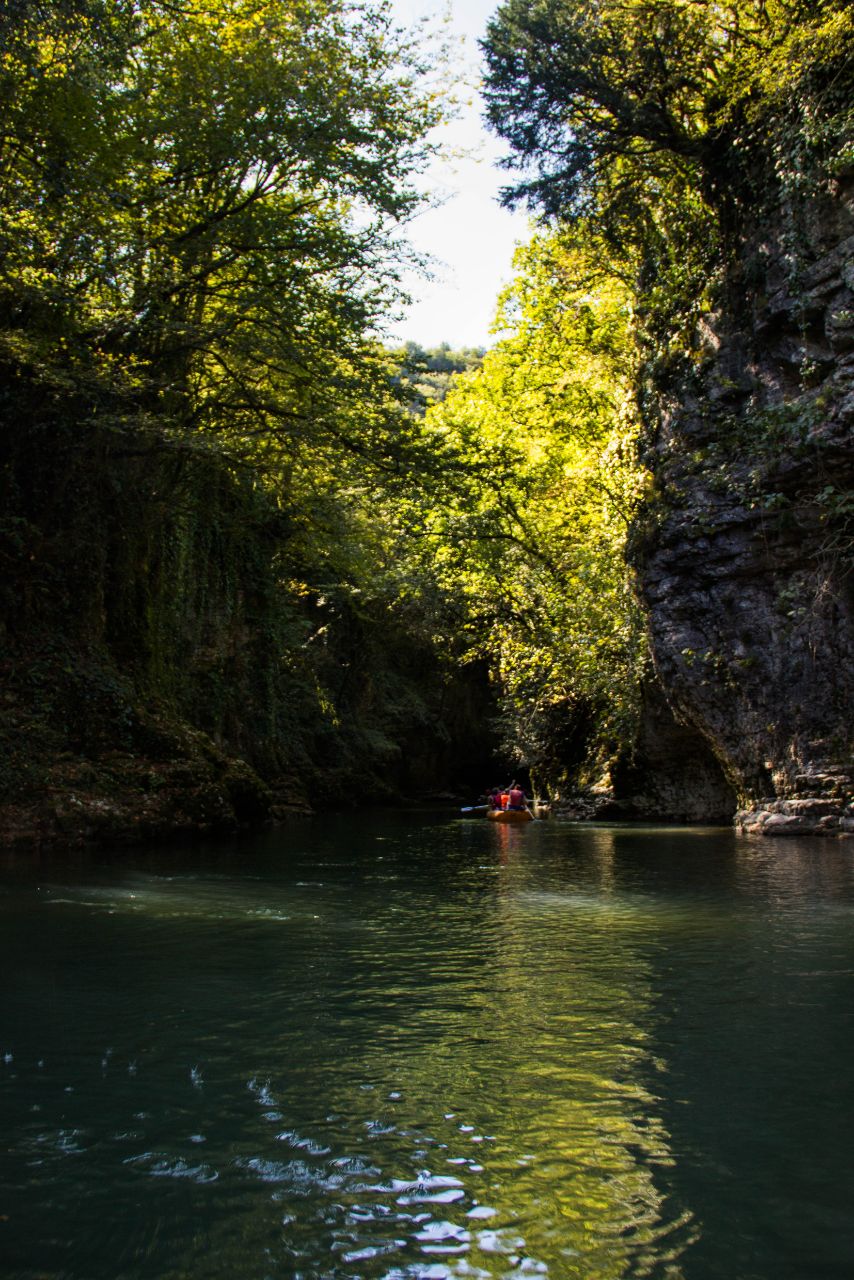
<point x="658" y="135"/>
<point x="200" y="207"/>
<point x="202" y="216"/>
<point x="427" y="374"/>
<point x="202" y="233"/>
<point x="670" y="123"/>
<point x="609" y="101"/>
<point x="538" y="485"/>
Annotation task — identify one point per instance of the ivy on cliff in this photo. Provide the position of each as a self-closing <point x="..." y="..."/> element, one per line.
<point x="201" y="213"/>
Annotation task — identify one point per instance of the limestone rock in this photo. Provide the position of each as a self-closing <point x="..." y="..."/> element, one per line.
<point x="746" y="572"/>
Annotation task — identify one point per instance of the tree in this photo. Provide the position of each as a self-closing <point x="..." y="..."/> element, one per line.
<point x="597" y="96"/>
<point x="669" y="123"/>
<point x="426" y="376"/>
<point x="201" y="207"/>
<point x="522" y="527"/>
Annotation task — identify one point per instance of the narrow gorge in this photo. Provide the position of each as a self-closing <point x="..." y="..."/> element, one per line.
<point x="256" y="559"/>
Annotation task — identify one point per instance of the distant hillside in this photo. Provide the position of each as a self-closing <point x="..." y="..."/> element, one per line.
<point x="427" y="373"/>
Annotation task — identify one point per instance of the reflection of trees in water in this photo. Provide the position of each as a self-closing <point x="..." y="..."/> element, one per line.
<point x="489" y="1024"/>
<point x="389" y="1043"/>
<point x="786" y="870"/>
<point x="582" y="1137"/>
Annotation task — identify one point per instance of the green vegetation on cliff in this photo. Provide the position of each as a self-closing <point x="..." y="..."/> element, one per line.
<point x="243" y="544"/>
<point x="200" y="214"/>
<point x="708" y="150"/>
<point x="668" y="127"/>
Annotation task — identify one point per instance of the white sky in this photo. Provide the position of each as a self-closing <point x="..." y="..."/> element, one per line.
<point x="470" y="238"/>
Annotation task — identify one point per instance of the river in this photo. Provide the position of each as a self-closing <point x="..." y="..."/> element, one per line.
<point x="414" y="1045"/>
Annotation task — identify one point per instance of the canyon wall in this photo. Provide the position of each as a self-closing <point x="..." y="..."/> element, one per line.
<point x="744" y="550"/>
<point x="160" y="673"/>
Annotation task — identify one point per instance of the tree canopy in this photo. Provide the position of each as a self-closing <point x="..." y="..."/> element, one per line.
<point x="200" y="208"/>
<point x="600" y="97"/>
<point x="203" y="207"/>
<point x="522" y="529"/>
<point x="670" y="125"/>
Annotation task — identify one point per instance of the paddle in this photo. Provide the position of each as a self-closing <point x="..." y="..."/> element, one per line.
<point x="474" y="808"/>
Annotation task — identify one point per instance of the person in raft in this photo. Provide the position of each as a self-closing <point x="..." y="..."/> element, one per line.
<point x="495" y="798"/>
<point x="515" y="797"/>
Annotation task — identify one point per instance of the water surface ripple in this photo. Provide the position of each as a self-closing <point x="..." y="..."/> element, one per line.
<point x="390" y="1046"/>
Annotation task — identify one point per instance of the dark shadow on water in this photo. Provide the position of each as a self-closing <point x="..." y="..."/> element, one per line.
<point x="378" y="1045"/>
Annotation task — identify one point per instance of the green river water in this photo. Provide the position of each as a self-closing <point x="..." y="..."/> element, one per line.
<point x="410" y="1045"/>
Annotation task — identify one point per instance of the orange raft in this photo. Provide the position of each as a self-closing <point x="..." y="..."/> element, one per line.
<point x="509" y="815"/>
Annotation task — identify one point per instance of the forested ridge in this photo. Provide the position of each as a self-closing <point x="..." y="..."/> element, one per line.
<point x="255" y="557"/>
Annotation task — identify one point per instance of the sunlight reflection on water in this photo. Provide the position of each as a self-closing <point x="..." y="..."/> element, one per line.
<point x="456" y="1051"/>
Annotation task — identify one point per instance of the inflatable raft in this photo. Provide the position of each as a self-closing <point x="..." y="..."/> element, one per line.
<point x="509" y="815"/>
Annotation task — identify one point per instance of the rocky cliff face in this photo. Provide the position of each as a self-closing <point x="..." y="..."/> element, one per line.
<point x="745" y="552"/>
